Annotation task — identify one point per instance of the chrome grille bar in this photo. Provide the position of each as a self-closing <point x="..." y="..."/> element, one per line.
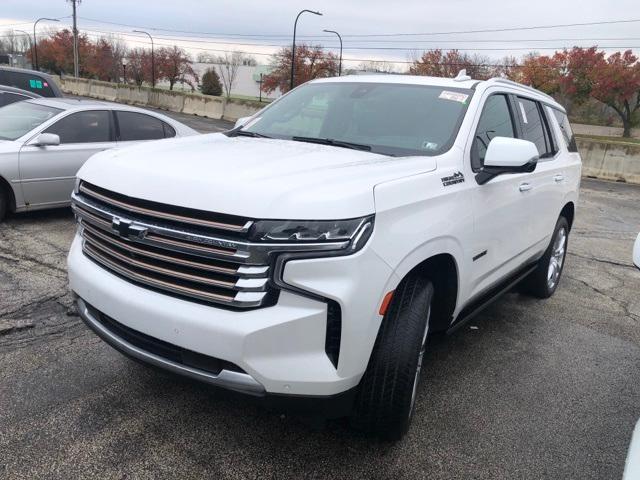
<point x="92" y="193"/>
<point x="254" y="300"/>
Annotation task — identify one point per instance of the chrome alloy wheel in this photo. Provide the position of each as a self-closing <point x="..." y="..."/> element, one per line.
<point x="557" y="258"/>
<point x="419" y="367"/>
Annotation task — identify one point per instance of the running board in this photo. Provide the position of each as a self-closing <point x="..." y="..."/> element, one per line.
<point x="493" y="294"/>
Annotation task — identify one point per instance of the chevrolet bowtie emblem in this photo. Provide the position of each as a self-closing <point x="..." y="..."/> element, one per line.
<point x="127" y="229"/>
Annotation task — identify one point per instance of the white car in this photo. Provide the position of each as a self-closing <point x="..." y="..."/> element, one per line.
<point x="306" y="255"/>
<point x="44" y="142"/>
<point x="636" y="252"/>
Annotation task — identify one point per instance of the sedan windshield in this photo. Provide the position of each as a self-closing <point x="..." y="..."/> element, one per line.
<point x="387" y="118"/>
<point x="20" y="118"/>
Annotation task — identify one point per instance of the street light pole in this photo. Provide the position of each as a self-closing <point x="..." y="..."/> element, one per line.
<point x="340" y="38"/>
<point x="35" y="41"/>
<point x="293" y="48"/>
<point x="153" y="60"/>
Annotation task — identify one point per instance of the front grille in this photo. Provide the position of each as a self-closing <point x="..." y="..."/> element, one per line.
<point x="174" y="250"/>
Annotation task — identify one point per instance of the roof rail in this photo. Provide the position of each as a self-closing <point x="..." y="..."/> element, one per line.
<point x="520" y="85"/>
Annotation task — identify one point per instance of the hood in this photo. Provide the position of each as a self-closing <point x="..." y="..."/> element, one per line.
<point x="252" y="177"/>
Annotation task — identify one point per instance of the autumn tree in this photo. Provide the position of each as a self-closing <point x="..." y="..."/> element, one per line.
<point x="211" y="83"/>
<point x="55" y="52"/>
<point x="174" y="65"/>
<point x="436" y="63"/>
<point x="615" y="81"/>
<point x="311" y="62"/>
<point x="541" y="72"/>
<point x="139" y="66"/>
<point x="105" y="60"/>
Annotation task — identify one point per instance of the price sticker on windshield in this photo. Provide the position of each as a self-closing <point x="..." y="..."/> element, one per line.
<point x="454" y="96"/>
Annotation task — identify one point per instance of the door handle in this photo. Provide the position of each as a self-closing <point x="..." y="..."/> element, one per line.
<point x="525" y="187"/>
<point x="558" y="178"/>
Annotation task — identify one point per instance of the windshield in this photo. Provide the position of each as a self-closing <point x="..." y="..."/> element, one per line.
<point x="386" y="118"/>
<point x="19" y="118"/>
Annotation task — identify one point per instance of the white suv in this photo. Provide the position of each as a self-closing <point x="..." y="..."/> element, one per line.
<point x="306" y="255"/>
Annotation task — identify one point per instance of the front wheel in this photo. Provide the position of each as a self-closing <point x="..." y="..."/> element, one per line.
<point x="386" y="399"/>
<point x="544" y="280"/>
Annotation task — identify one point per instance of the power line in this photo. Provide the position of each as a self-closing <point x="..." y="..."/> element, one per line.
<point x="457" y="32"/>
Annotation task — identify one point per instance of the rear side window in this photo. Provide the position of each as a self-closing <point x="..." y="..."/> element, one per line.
<point x="83" y="127"/>
<point x="533" y="126"/>
<point x="32" y="82"/>
<point x="7" y="98"/>
<point x="138" y="126"/>
<point x="565" y="127"/>
<point x="495" y="121"/>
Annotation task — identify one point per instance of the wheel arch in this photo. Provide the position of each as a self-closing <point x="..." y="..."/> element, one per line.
<point x="6" y="186"/>
<point x="442" y="269"/>
<point x="569" y="212"/>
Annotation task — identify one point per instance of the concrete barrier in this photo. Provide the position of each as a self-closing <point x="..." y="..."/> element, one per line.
<point x="173" y="101"/>
<point x="610" y="161"/>
<point x="602" y="131"/>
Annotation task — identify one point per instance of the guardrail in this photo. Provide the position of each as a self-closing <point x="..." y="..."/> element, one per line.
<point x="173" y="101"/>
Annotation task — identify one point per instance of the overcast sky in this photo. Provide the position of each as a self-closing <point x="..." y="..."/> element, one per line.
<point x="235" y="21"/>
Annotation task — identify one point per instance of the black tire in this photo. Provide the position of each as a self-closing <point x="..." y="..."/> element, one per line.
<point x="538" y="283"/>
<point x="4" y="201"/>
<point x="386" y="397"/>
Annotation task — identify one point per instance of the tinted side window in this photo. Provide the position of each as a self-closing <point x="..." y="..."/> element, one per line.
<point x="138" y="126"/>
<point x="169" y="131"/>
<point x="27" y="81"/>
<point x="533" y="128"/>
<point x="7" y="98"/>
<point x="495" y="121"/>
<point x="565" y="127"/>
<point x="83" y="127"/>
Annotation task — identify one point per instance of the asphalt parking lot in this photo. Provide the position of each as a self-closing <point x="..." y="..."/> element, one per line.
<point x="530" y="389"/>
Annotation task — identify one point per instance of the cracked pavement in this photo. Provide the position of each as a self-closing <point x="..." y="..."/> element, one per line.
<point x="536" y="389"/>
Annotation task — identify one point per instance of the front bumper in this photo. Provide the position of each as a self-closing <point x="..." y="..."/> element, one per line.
<point x="280" y="349"/>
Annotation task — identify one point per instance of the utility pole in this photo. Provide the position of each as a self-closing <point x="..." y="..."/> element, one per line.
<point x="76" y="61"/>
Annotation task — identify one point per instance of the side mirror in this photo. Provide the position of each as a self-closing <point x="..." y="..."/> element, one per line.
<point x="46" y="140"/>
<point x="241" y="121"/>
<point x="636" y="253"/>
<point x="508" y="155"/>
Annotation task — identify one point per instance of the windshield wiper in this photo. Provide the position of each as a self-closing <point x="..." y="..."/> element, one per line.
<point x="245" y="133"/>
<point x="332" y="142"/>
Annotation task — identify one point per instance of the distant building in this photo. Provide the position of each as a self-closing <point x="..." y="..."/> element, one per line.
<point x="14" y="60"/>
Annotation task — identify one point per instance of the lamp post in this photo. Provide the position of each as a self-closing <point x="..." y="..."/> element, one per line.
<point x="293" y="48"/>
<point x="153" y="60"/>
<point x="124" y="70"/>
<point x="340" y="38"/>
<point x="35" y="41"/>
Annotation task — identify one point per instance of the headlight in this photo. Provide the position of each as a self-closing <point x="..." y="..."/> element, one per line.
<point x="352" y="233"/>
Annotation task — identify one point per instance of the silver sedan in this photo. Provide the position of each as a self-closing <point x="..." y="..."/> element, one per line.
<point x="44" y="142"/>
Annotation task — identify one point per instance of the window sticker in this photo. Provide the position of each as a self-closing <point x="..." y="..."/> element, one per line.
<point x="454" y="96"/>
<point x="426" y="145"/>
<point x="524" y="114"/>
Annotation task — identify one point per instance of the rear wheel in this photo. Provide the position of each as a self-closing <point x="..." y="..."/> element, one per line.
<point x="386" y="399"/>
<point x="544" y="280"/>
